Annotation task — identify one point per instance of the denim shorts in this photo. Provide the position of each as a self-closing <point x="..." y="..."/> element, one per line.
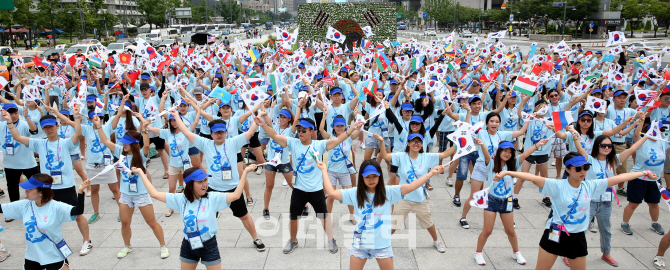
<point x="264" y="140"/>
<point x="372" y="143"/>
<point x="382" y="253"/>
<point x="629" y="140"/>
<point x="141" y="200"/>
<point x="75" y="157"/>
<point x="499" y="205"/>
<point x="282" y="168"/>
<point x="464" y="165"/>
<point x="208" y="254"/>
<point x="193" y="151"/>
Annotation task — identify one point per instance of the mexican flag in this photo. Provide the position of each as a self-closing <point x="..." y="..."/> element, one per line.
<point x="525" y="85"/>
<point x="416" y="63"/>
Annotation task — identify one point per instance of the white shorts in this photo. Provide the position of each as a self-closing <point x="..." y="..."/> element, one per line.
<point x="141" y="200"/>
<point x="343" y="178"/>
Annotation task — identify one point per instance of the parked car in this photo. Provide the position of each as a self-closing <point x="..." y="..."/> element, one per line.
<point x="402" y="26"/>
<point x="90" y="41"/>
<point x="86" y="49"/>
<point x="166" y="43"/>
<point x="430" y="32"/>
<point x="215" y="34"/>
<point x="4" y="49"/>
<point x="49" y="52"/>
<point x="466" y="34"/>
<point x="648" y="47"/>
<point x="128" y="40"/>
<point x="225" y="32"/>
<point x="118" y="46"/>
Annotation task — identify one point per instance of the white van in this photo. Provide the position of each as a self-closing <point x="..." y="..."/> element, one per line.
<point x="155" y="34"/>
<point x="169" y="33"/>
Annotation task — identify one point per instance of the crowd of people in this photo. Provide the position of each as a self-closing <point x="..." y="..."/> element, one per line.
<point x="485" y="113"/>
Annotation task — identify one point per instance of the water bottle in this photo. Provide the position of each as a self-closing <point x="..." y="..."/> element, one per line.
<point x="2" y="232"/>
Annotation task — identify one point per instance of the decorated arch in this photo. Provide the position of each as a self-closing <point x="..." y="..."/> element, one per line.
<point x="349" y="19"/>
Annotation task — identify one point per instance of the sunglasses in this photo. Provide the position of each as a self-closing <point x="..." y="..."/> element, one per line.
<point x="553" y="96"/>
<point x="587" y="120"/>
<point x="606" y="145"/>
<point x="416" y="142"/>
<point x="454" y="92"/>
<point x="585" y="167"/>
<point x="303" y="130"/>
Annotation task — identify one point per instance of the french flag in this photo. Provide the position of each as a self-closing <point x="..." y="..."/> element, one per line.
<point x="365" y="43"/>
<point x="561" y="119"/>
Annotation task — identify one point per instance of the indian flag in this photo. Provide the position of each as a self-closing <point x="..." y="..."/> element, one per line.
<point x="95" y="61"/>
<point x="525" y="85"/>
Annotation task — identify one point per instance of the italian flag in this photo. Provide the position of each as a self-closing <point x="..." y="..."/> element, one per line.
<point x="525" y="85"/>
<point x="416" y="63"/>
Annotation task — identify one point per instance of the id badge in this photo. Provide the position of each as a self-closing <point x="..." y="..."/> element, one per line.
<point x="385" y="132"/>
<point x="195" y="240"/>
<point x="226" y="173"/>
<point x="606" y="197"/>
<point x="57" y="176"/>
<point x="351" y="168"/>
<point x="133" y="183"/>
<point x="64" y="248"/>
<point x="9" y="149"/>
<point x="554" y="235"/>
<point x="107" y="159"/>
<point x="187" y="165"/>
<point x="509" y="204"/>
<point x="357" y="241"/>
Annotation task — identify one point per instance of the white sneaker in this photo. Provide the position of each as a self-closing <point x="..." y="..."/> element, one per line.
<point x="519" y="258"/>
<point x="593" y="227"/>
<point x="284" y="183"/>
<point x="659" y="262"/>
<point x="479" y="258"/>
<point x="553" y="162"/>
<point x="86" y="248"/>
<point x="259" y="170"/>
<point x="450" y="182"/>
<point x="515" y="181"/>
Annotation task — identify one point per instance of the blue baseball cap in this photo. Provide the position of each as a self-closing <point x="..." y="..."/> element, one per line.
<point x="472" y="98"/>
<point x="197" y="175"/>
<point x="318" y="76"/>
<point x="128" y="140"/>
<point x="344" y="69"/>
<point x="10" y="106"/>
<point x="335" y="91"/>
<point x="392" y="81"/>
<point x="172" y="116"/>
<point x="339" y="122"/>
<point x="90" y="98"/>
<point x="145" y="77"/>
<point x="619" y="92"/>
<point x="93" y="114"/>
<point x="585" y="112"/>
<point x="285" y="113"/>
<point x="513" y="93"/>
<point x="599" y="52"/>
<point x="416" y="118"/>
<point x="48" y="122"/>
<point x="225" y="104"/>
<point x="305" y="123"/>
<point x="219" y="127"/>
<point x="505" y="145"/>
<point x="65" y="112"/>
<point x="414" y="135"/>
<point x="33" y="183"/>
<point x="464" y="65"/>
<point x="597" y="90"/>
<point x="576" y="161"/>
<point x="407" y="107"/>
<point x="370" y="169"/>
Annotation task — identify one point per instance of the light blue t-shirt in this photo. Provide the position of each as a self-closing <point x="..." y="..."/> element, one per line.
<point x="344" y="110"/>
<point x="96" y="150"/>
<point x="509" y="120"/>
<point x="574" y="214"/>
<point x="35" y="116"/>
<point x="608" y="124"/>
<point x="377" y="124"/>
<point x="537" y="131"/>
<point x="179" y="146"/>
<point x="55" y="157"/>
<point x="400" y="136"/>
<point x="200" y="214"/>
<point x="125" y="176"/>
<point x="410" y="170"/>
<point x="600" y="169"/>
<point x="474" y="119"/>
<point x="586" y="142"/>
<point x="120" y="129"/>
<point x="308" y="178"/>
<point x="492" y="142"/>
<point x="374" y="223"/>
<point x="502" y="188"/>
<point x="23" y="157"/>
<point x="650" y="156"/>
<point x="275" y="148"/>
<point x="141" y="104"/>
<point x="618" y="116"/>
<point x="221" y="158"/>
<point x="51" y="217"/>
<point x="338" y="157"/>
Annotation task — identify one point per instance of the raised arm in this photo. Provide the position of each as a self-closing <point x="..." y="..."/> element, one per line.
<point x="407" y="188"/>
<point x="279" y="139"/>
<point x="97" y="125"/>
<point x="145" y="137"/>
<point x="619" y="128"/>
<point x="77" y="125"/>
<point x="13" y="130"/>
<point x="327" y="187"/>
<point x="615" y="180"/>
<point x="182" y="127"/>
<point x="332" y="143"/>
<point x="235" y="195"/>
<point x="161" y="196"/>
<point x="322" y="125"/>
<point x="382" y="148"/>
<point x="630" y="151"/>
<point x="532" y="149"/>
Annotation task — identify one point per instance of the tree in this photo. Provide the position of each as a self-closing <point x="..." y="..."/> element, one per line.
<point x="661" y="12"/>
<point x="154" y="11"/>
<point x="229" y="10"/>
<point x="634" y="9"/>
<point x="67" y="20"/>
<point x="47" y="10"/>
<point x="440" y="10"/>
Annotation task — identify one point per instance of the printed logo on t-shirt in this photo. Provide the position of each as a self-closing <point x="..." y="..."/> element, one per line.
<point x="655" y="159"/>
<point x="191" y="223"/>
<point x="32" y="234"/>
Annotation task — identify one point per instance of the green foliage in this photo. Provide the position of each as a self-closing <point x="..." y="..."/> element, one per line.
<point x="386" y="12"/>
<point x="647" y="26"/>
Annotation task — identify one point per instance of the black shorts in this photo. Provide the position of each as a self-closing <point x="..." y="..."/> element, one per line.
<point x="299" y="198"/>
<point x="66" y="195"/>
<point x="239" y="206"/>
<point x="571" y="247"/>
<point x="240" y="158"/>
<point x="539" y="160"/>
<point x="254" y="142"/>
<point x="206" y="136"/>
<point x="33" y="265"/>
<point x="641" y="189"/>
<point x="158" y="142"/>
<point x="394" y="169"/>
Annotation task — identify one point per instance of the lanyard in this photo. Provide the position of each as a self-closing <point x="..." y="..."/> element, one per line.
<point x="9" y="134"/>
<point x="46" y="150"/>
<point x="346" y="159"/>
<point x="602" y="127"/>
<point x="38" y="228"/>
<point x="624" y="116"/>
<point x="603" y="169"/>
<point x="104" y="147"/>
<point x="492" y="140"/>
<point x="196" y="215"/>
<point x="174" y="139"/>
<point x="572" y="209"/>
<point x="224" y="152"/>
<point x="304" y="157"/>
<point x="66" y="129"/>
<point x="359" y="232"/>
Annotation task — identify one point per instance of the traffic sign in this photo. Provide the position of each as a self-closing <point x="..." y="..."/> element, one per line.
<point x="590" y="25"/>
<point x="590" y="29"/>
<point x="558" y="4"/>
<point x="511" y="17"/>
<point x="503" y="5"/>
<point x="398" y="15"/>
<point x="425" y="14"/>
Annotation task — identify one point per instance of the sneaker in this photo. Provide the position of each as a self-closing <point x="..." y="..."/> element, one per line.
<point x="479" y="258"/>
<point x="546" y="201"/>
<point x="250" y="201"/>
<point x="450" y="183"/>
<point x="592" y="227"/>
<point x="259" y="170"/>
<point x="439" y="246"/>
<point x="519" y="258"/>
<point x="124" y="252"/>
<point x="118" y="219"/>
<point x="305" y="212"/>
<point x="164" y="253"/>
<point x="659" y="262"/>
<point x="621" y="192"/>
<point x="266" y="214"/>
<point x="284" y="183"/>
<point x="332" y="246"/>
<point x="259" y="245"/>
<point x="4" y="254"/>
<point x="290" y="246"/>
<point x="457" y="200"/>
<point x="566" y="262"/>
<point x="93" y="218"/>
<point x="515" y="204"/>
<point x="2" y="193"/>
<point x="86" y="248"/>
<point x="553" y="162"/>
<point x="656" y="227"/>
<point x="625" y="228"/>
<point x="464" y="223"/>
<point x="611" y="262"/>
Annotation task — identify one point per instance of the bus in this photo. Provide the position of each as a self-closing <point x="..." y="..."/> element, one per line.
<point x="212" y="27"/>
<point x="246" y="26"/>
<point x="200" y="28"/>
<point x="176" y="27"/>
<point x="186" y="28"/>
